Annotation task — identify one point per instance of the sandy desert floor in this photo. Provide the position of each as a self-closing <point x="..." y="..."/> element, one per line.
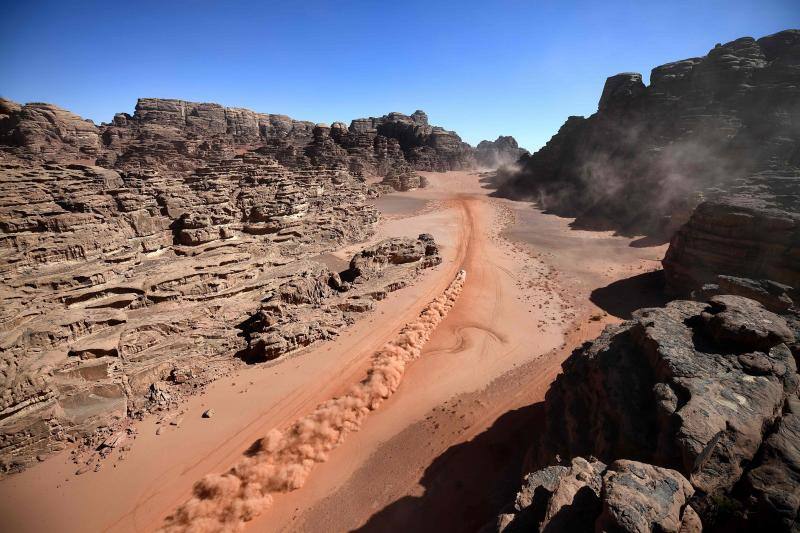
<point x="445" y="450"/>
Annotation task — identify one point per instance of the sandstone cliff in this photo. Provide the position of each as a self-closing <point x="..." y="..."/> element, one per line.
<point x="112" y="281"/>
<point x="176" y="133"/>
<point x="641" y="162"/>
<point x="48" y="131"/>
<point x="753" y="231"/>
<point x="140" y="259"/>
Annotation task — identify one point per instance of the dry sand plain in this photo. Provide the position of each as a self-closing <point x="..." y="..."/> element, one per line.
<point x="442" y="450"/>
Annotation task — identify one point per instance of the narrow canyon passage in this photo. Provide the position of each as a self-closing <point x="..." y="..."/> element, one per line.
<point x="316" y="267"/>
<point x="443" y="452"/>
<point x="497" y="351"/>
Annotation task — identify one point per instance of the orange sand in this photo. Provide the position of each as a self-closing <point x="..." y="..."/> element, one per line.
<point x="525" y="306"/>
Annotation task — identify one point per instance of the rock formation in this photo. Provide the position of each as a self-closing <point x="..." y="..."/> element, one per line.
<point x="693" y="405"/>
<point x="643" y="160"/>
<point x="751" y="232"/>
<point x="48" y="131"/>
<point x="177" y="134"/>
<point x="114" y="280"/>
<point x="707" y="390"/>
<point x="402" y="181"/>
<point x="398" y="138"/>
<point x="590" y="496"/>
<point x="317" y="304"/>
<point x="139" y="257"/>
<point x="500" y="152"/>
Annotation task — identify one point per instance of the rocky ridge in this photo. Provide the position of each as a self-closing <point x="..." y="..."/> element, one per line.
<point x="707" y="390"/>
<point x="180" y="134"/>
<point x="699" y="398"/>
<point x="650" y="153"/>
<point x="139" y="257"/>
<point x="752" y="231"/>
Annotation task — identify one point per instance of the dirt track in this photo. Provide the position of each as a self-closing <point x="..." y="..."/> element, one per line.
<point x="431" y="446"/>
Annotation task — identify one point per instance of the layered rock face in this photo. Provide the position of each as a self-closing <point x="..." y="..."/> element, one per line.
<point x="176" y="133"/>
<point x="751" y="232"/>
<point x="424" y="147"/>
<point x="113" y="281"/>
<point x="139" y="258"/>
<point x="502" y="151"/>
<point x="319" y="303"/>
<point x="643" y="160"/>
<point x="706" y="390"/>
<point x="402" y="181"/>
<point x="48" y="131"/>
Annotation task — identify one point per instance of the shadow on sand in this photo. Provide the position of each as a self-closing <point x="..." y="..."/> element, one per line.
<point x="468" y="484"/>
<point x="623" y="297"/>
<point x="488" y="182"/>
<point x="584" y="220"/>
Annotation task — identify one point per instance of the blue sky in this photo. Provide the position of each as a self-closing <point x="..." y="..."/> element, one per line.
<point x="481" y="68"/>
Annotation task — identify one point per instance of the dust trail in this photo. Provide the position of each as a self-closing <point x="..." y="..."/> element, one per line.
<point x="284" y="459"/>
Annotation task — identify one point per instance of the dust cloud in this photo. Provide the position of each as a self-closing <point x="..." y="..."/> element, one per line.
<point x="630" y="172"/>
<point x="282" y="461"/>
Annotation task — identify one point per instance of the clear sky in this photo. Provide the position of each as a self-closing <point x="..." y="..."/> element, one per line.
<point x="481" y="68"/>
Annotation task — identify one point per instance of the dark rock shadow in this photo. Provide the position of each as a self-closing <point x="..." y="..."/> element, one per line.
<point x="644" y="234"/>
<point x="497" y="180"/>
<point x="489" y="183"/>
<point x="650" y="241"/>
<point x="587" y="222"/>
<point x="579" y="515"/>
<point x="468" y="484"/>
<point x="623" y="297"/>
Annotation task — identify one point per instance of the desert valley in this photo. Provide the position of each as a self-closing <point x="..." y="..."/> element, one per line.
<point x="218" y="319"/>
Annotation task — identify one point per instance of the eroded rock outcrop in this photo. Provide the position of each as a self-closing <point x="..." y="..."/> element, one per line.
<point x="157" y="246"/>
<point x="373" y="261"/>
<point x="115" y="280"/>
<point x="180" y="135"/>
<point x="642" y="162"/>
<point x="48" y="132"/>
<point x="402" y="181"/>
<point x="502" y="151"/>
<point x="753" y="231"/>
<point x="318" y="304"/>
<point x="707" y="389"/>
<point x="590" y="496"/>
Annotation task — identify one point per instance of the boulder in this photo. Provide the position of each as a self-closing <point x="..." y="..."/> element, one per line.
<point x="626" y="496"/>
<point x="695" y="387"/>
<point x="392" y="252"/>
<point x="640" y="498"/>
<point x="739" y="324"/>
